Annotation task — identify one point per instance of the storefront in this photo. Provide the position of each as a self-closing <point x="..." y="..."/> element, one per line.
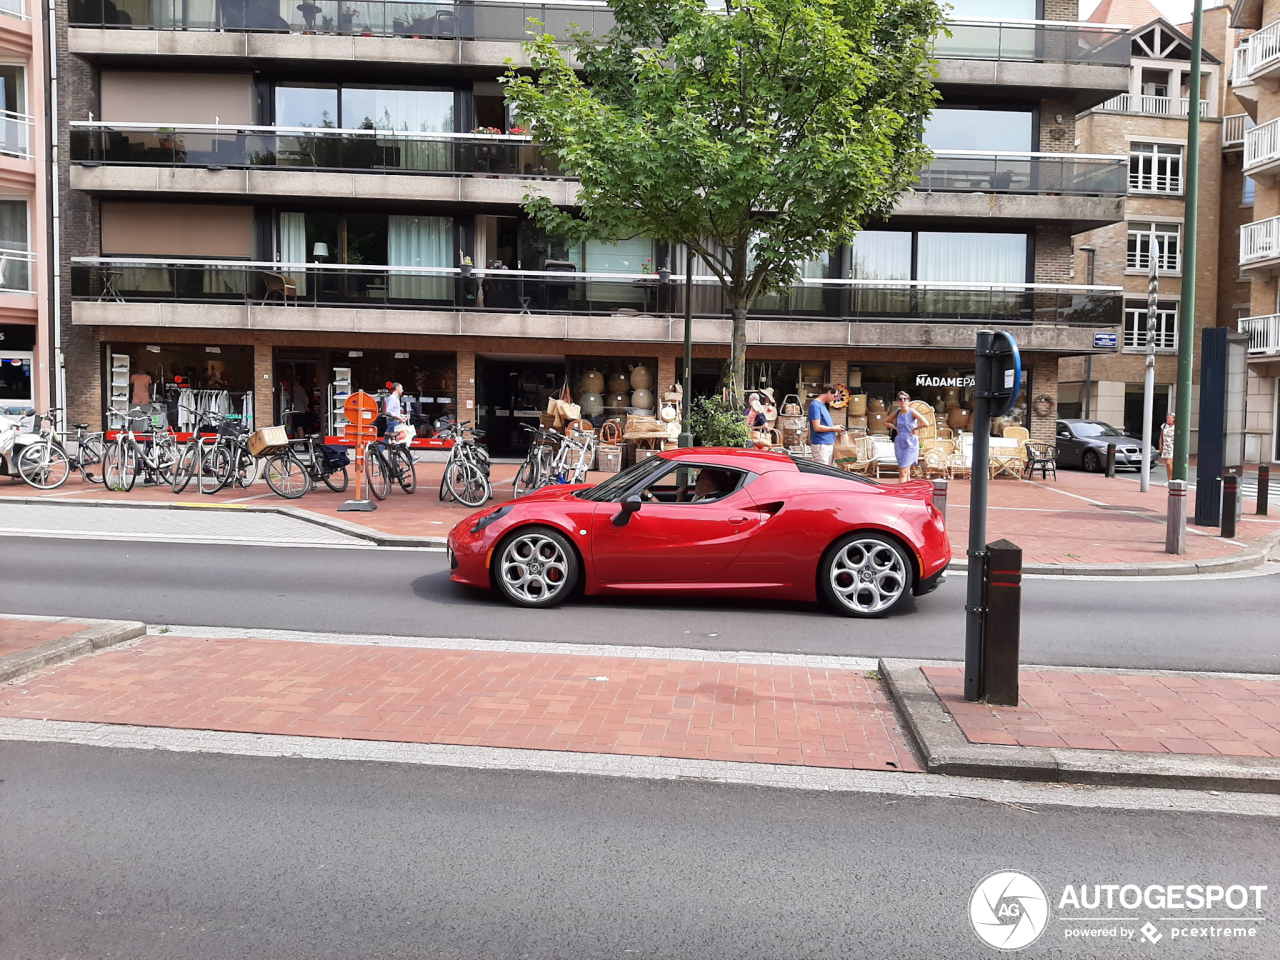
<point x="17" y="357"/>
<point x="186" y="381"/>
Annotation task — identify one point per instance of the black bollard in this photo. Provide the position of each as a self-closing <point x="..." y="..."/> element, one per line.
<point x="1111" y="460"/>
<point x="1001" y="622"/>
<point x="1264" y="488"/>
<point x="1230" y="497"/>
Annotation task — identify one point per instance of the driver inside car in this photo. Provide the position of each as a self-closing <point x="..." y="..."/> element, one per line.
<point x="712" y="485"/>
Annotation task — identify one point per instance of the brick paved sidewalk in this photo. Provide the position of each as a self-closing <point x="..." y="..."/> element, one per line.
<point x="1146" y="713"/>
<point x="16" y="635"/>
<point x="592" y="704"/>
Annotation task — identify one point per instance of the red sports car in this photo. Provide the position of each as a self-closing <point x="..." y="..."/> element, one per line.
<point x="723" y="522"/>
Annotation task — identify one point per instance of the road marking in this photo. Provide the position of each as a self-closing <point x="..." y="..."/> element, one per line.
<point x="774" y="776"/>
<point x="189" y="539"/>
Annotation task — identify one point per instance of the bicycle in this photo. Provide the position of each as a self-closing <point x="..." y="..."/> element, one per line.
<point x="388" y="460"/>
<point x="296" y="470"/>
<point x="466" y="472"/>
<point x="46" y="464"/>
<point x="535" y="470"/>
<point x="216" y="455"/>
<point x="573" y="459"/>
<point x="155" y="455"/>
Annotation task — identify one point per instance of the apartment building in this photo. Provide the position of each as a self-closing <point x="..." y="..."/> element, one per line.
<point x="26" y="340"/>
<point x="269" y="204"/>
<point x="1256" y="82"/>
<point x="1148" y="125"/>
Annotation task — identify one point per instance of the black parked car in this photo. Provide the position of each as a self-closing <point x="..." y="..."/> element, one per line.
<point x="1083" y="443"/>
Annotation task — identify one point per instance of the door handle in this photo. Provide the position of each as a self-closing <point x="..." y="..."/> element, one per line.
<point x="740" y="519"/>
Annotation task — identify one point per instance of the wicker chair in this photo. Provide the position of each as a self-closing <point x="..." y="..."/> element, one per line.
<point x="1042" y="457"/>
<point x="281" y="284"/>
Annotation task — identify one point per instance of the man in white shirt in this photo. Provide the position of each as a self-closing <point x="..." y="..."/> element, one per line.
<point x="397" y="415"/>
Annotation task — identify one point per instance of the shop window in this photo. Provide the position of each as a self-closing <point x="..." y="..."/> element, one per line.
<point x="1135" y="324"/>
<point x="1155" y="168"/>
<point x="1167" y="238"/>
<point x="15" y="379"/>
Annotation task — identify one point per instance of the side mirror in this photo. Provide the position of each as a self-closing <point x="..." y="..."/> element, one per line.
<point x="629" y="506"/>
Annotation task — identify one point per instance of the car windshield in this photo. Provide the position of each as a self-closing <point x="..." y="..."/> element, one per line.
<point x="1095" y="428"/>
<point x="620" y="483"/>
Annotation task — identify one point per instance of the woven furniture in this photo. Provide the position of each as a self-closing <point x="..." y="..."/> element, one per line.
<point x="1042" y="457"/>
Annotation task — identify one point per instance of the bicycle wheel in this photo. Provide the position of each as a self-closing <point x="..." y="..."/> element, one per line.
<point x="405" y="470"/>
<point x="187" y="465"/>
<point x="444" y="487"/>
<point x="45" y="466"/>
<point x="336" y="480"/>
<point x="527" y="478"/>
<point x="120" y="468"/>
<point x="246" y="471"/>
<point x="286" y="476"/>
<point x="215" y="468"/>
<point x="375" y="474"/>
<point x="166" y="459"/>
<point x="89" y="456"/>
<point x="468" y="484"/>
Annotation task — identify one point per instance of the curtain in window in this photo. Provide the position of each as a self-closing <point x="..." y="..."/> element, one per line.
<point x="13" y="236"/>
<point x="625" y="256"/>
<point x="293" y="245"/>
<point x="879" y="255"/>
<point x="414" y="111"/>
<point x="419" y="242"/>
<point x="971" y="258"/>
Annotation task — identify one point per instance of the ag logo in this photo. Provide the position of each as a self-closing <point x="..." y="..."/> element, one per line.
<point x="1009" y="910"/>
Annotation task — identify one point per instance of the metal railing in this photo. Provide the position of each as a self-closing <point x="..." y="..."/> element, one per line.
<point x="1261" y="144"/>
<point x="17" y="271"/>
<point x="485" y="20"/>
<point x="1045" y="41"/>
<point x="1264" y="334"/>
<point x="973" y="171"/>
<point x="1240" y="66"/>
<point x="1160" y="106"/>
<point x="1260" y="241"/>
<point x="1234" y="128"/>
<point x="130" y="279"/>
<point x="385" y="151"/>
<point x="1264" y="48"/>
<point x="15" y="134"/>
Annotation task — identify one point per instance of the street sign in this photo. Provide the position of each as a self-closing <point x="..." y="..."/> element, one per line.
<point x="1003" y="367"/>
<point x="360" y="408"/>
<point x="361" y="411"/>
<point x="1105" y="341"/>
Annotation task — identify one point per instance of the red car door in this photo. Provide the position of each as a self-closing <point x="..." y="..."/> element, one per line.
<point x="675" y="542"/>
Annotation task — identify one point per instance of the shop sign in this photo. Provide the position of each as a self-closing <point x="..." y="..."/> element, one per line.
<point x="17" y="336"/>
<point x="927" y="380"/>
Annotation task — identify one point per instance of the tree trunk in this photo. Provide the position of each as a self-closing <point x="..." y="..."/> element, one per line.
<point x="738" y="356"/>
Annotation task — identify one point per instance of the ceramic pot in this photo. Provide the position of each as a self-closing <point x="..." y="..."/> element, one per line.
<point x="592" y="403"/>
<point x="619" y="382"/>
<point x="858" y="405"/>
<point x="592" y="382"/>
<point x="642" y="398"/>
<point x="641" y="379"/>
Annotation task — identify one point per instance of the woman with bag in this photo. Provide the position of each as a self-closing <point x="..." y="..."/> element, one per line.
<point x="906" y="445"/>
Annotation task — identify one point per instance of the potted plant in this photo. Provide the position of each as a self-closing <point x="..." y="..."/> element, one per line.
<point x="715" y="424"/>
<point x="466" y="266"/>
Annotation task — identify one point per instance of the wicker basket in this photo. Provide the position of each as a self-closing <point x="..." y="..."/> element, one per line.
<point x="609" y="458"/>
<point x="268" y="440"/>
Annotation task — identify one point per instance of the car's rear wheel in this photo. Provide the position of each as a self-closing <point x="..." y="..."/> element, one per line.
<point x="535" y="567"/>
<point x="1091" y="462"/>
<point x="864" y="575"/>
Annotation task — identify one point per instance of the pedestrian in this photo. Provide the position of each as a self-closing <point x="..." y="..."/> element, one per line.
<point x="822" y="431"/>
<point x="906" y="445"/>
<point x="397" y="416"/>
<point x="1166" y="446"/>
<point x="757" y="419"/>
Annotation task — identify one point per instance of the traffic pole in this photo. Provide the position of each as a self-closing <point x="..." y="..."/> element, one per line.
<point x="686" y="432"/>
<point x="977" y="554"/>
<point x="1149" y="378"/>
<point x="1264" y="489"/>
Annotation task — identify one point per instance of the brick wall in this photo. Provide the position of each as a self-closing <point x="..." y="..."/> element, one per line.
<point x="1044" y="383"/>
<point x="1057" y="126"/>
<point x="1054" y="263"/>
<point x="1068" y="10"/>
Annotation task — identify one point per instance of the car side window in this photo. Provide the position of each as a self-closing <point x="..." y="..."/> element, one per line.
<point x="689" y="483"/>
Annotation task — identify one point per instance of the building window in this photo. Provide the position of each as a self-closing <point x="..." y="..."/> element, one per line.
<point x="1135" y="324"/>
<point x="1167" y="237"/>
<point x="1249" y="187"/>
<point x="971" y="128"/>
<point x="1155" y="168"/>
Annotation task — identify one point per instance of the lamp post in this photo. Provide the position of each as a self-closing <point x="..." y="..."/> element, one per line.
<point x="1149" y="376"/>
<point x="1186" y="317"/>
<point x="1092" y="254"/>
<point x="686" y="431"/>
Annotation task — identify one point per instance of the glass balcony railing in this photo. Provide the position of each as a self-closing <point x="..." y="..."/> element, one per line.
<point x="967" y="171"/>
<point x="384" y="151"/>
<point x="556" y="292"/>
<point x="486" y="20"/>
<point x="15" y="134"/>
<point x="1035" y="41"/>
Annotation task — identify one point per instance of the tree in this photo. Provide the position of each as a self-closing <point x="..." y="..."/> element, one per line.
<point x="761" y="134"/>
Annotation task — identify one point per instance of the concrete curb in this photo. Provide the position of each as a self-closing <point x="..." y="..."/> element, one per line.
<point x="97" y="635"/>
<point x="320" y="520"/>
<point x="1252" y="556"/>
<point x="944" y="749"/>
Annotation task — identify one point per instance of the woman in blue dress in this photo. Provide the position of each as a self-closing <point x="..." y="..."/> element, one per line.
<point x="906" y="445"/>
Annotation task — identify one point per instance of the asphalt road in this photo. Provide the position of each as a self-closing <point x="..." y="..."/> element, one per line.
<point x="142" y="854"/>
<point x="1222" y="624"/>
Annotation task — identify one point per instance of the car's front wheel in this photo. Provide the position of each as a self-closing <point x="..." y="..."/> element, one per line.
<point x="535" y="567"/>
<point x="1091" y="462"/>
<point x="864" y="575"/>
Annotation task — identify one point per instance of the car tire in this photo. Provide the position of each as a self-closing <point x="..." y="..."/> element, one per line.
<point x="1091" y="462"/>
<point x="865" y="575"/>
<point x="535" y="567"/>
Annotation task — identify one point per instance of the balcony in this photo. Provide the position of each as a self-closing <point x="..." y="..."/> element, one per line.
<point x="1154" y="106"/>
<point x="1262" y="150"/>
<point x="1263" y="61"/>
<point x="1260" y="246"/>
<point x="1240" y="65"/>
<point x="1041" y="57"/>
<point x="15" y="135"/>
<point x="1234" y="128"/>
<point x="439" y="300"/>
<point x="1264" y="335"/>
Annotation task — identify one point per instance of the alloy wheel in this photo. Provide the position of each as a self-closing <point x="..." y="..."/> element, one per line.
<point x="534" y="569"/>
<point x="868" y="576"/>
